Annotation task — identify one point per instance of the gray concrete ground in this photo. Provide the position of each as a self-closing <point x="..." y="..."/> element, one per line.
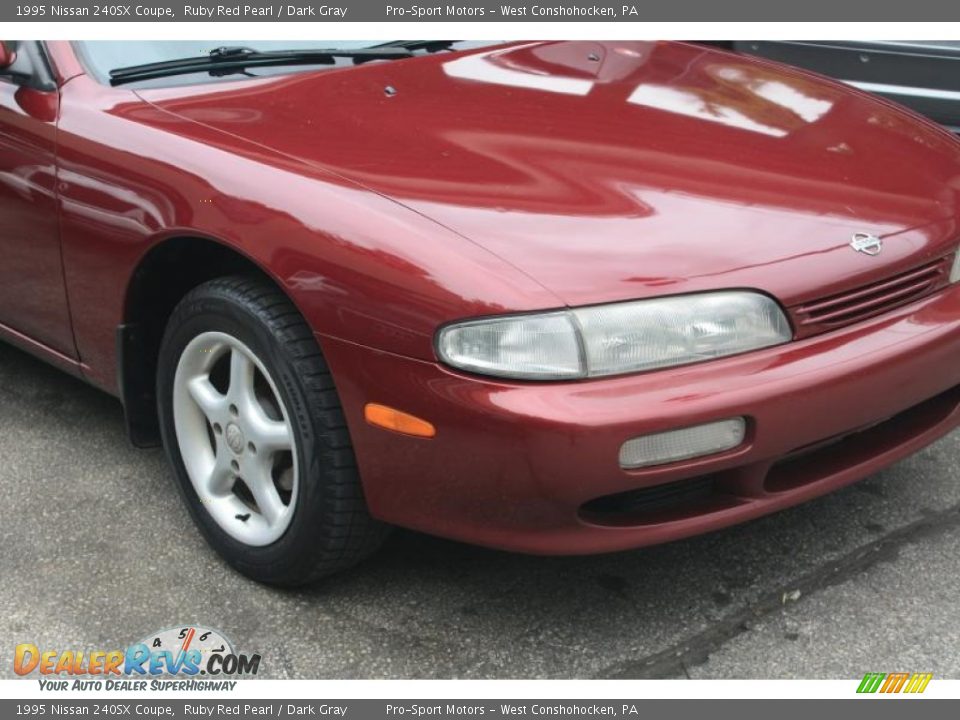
<point x="97" y="552"/>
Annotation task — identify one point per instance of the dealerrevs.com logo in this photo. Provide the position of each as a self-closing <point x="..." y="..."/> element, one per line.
<point x="172" y="659"/>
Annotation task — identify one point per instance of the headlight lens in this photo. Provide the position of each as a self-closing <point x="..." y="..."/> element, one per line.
<point x="955" y="270"/>
<point x="541" y="347"/>
<point x="617" y="338"/>
<point x="669" y="331"/>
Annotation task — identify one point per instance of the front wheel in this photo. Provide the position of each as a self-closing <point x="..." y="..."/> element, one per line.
<point x="254" y="429"/>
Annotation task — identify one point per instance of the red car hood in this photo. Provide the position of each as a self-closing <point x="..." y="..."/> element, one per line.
<point x="618" y="170"/>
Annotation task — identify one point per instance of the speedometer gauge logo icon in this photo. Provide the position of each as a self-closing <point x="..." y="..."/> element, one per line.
<point x="182" y="640"/>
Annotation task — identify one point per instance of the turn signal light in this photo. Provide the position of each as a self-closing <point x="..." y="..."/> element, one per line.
<point x="401" y="422"/>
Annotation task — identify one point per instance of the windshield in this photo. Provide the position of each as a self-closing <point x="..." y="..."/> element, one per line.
<point x="100" y="57"/>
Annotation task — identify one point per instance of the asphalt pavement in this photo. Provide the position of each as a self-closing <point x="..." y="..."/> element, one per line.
<point x="97" y="552"/>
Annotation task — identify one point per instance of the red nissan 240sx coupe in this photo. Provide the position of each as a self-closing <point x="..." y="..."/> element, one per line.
<point x="552" y="297"/>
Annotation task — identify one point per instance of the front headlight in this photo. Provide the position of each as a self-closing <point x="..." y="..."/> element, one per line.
<point x="955" y="270"/>
<point x="536" y="347"/>
<point x="615" y="339"/>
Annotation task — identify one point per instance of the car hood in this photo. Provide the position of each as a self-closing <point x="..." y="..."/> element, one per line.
<point x="618" y="170"/>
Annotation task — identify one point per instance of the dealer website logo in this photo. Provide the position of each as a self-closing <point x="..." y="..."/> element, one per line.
<point x="899" y="682"/>
<point x="177" y="652"/>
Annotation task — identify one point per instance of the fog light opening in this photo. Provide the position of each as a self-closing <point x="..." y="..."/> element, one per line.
<point x="684" y="444"/>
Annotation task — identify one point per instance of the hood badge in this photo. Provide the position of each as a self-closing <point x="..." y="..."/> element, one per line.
<point x="867" y="244"/>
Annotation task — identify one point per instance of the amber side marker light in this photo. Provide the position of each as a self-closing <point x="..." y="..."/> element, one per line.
<point x="401" y="422"/>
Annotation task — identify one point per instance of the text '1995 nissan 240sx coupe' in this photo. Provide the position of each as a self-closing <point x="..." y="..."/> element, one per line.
<point x="549" y="297"/>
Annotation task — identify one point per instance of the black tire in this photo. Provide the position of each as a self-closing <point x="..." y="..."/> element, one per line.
<point x="331" y="528"/>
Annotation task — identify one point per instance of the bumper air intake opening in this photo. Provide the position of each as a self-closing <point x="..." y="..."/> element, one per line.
<point x="659" y="503"/>
<point x="827" y="458"/>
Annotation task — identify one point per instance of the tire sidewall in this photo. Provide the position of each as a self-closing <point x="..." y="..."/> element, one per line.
<point x="229" y="315"/>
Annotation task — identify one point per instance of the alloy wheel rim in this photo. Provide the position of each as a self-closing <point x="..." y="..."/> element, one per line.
<point x="235" y="438"/>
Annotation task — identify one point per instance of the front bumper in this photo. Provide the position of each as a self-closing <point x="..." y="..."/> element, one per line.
<point x="533" y="467"/>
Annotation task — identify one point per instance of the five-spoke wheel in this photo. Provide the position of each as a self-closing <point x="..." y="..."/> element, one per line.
<point x="257" y="436"/>
<point x="236" y="439"/>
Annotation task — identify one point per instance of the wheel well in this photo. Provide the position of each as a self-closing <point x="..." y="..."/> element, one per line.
<point x="167" y="273"/>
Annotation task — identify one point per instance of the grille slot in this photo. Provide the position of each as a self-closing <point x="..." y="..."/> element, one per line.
<point x="658" y="503"/>
<point x="869" y="300"/>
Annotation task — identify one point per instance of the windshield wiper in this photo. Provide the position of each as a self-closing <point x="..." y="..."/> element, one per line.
<point x="429" y="46"/>
<point x="224" y="60"/>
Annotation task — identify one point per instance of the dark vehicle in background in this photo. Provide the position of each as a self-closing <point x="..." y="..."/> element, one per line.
<point x="923" y="75"/>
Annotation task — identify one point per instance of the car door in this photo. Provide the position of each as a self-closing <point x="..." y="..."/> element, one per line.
<point x="33" y="301"/>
